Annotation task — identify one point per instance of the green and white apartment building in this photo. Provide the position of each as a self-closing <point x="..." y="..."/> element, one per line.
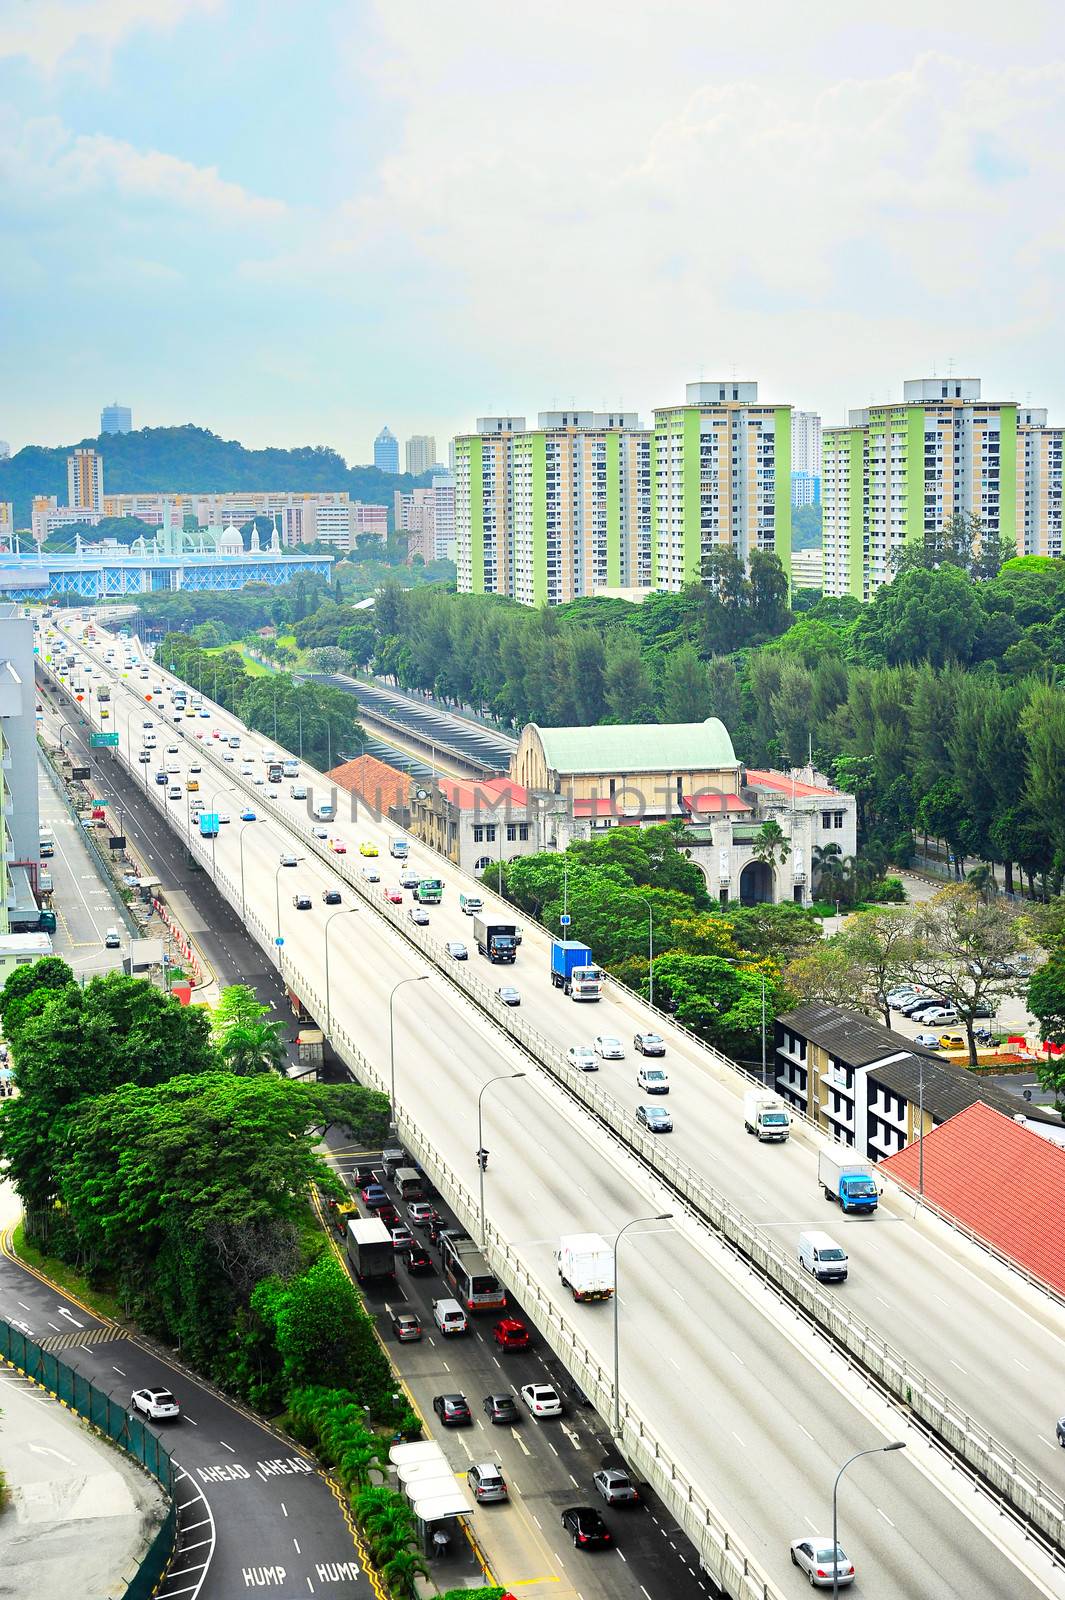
<point x="895" y="472"/>
<point x="591" y="503"/>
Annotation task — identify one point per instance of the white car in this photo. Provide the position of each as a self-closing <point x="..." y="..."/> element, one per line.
<point x="223" y="816"/>
<point x="582" y="1056"/>
<point x="419" y="915"/>
<point x="367" y="874"/>
<point x="320" y="833"/>
<point x="228" y="756"/>
<point x="542" y="1399"/>
<point x="610" y="1048"/>
<point x="653" y="1080"/>
<point x="289" y="860"/>
<point x="158" y="1405"/>
<point x="820" y="1559"/>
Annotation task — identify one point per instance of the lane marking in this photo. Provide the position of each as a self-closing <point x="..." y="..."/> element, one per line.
<point x="228" y="1447"/>
<point x="885" y="1516"/>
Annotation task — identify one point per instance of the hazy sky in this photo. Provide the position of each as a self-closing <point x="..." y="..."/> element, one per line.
<point x="291" y="223"/>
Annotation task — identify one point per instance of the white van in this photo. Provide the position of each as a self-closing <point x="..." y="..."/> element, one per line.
<point x="449" y="1317"/>
<point x="820" y="1254"/>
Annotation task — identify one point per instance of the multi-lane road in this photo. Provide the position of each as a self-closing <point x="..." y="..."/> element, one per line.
<point x="750" y="1410"/>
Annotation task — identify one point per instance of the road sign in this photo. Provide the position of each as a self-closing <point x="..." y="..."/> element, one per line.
<point x="279" y="942"/>
<point x="563" y="921"/>
<point x="108" y="740"/>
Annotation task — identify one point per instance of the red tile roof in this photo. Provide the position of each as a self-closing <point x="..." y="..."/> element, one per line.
<point x="382" y="787"/>
<point x="998" y="1178"/>
<point x="782" y="783"/>
<point x="487" y="792"/>
<point x="703" y="804"/>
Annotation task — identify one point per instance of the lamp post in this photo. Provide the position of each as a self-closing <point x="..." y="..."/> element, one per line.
<point x="880" y="1449"/>
<point x="761" y="978"/>
<point x="422" y="977"/>
<point x="500" y="1077"/>
<point x="243" y="902"/>
<point x="278" y="870"/>
<point x="920" y="1130"/>
<point x="663" y="1216"/>
<point x="650" y="950"/>
<point x="346" y="911"/>
<point x="214" y="837"/>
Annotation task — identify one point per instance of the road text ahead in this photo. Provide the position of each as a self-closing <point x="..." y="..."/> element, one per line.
<point x="231" y="1472"/>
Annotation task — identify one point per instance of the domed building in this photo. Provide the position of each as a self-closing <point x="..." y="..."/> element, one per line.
<point x="231" y="543"/>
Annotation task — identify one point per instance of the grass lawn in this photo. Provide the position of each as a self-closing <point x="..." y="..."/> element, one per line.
<point x="254" y="669"/>
<point x="98" y="1300"/>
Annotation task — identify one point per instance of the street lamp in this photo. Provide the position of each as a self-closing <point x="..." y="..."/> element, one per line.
<point x="422" y="977"/>
<point x="761" y="978"/>
<point x="346" y="911"/>
<point x="664" y="1216"/>
<point x="880" y="1449"/>
<point x="225" y="789"/>
<point x="501" y="1077"/>
<point x="278" y="870"/>
<point x="650" y="950"/>
<point x="243" y="902"/>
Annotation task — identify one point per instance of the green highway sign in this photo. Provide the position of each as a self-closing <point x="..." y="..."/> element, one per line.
<point x="108" y="739"/>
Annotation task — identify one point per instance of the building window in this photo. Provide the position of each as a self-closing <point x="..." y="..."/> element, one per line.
<point x="482" y="862"/>
<point x="523" y="830"/>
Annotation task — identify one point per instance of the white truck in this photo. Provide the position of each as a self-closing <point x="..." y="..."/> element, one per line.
<point x="766" y="1116"/>
<point x="586" y="1266"/>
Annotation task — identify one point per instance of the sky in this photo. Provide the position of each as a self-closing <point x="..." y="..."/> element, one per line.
<point x="292" y="224"/>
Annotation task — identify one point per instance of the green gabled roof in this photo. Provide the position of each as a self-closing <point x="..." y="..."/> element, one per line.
<point x="639" y="747"/>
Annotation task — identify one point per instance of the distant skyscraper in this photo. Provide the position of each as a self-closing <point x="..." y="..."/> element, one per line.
<point x="116" y="419"/>
<point x="386" y="451"/>
<point x="805" y="458"/>
<point x="421" y="453"/>
<point x="85" y="481"/>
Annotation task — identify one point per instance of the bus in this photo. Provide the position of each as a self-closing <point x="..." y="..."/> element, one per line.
<point x="475" y="1285"/>
<point x="429" y="892"/>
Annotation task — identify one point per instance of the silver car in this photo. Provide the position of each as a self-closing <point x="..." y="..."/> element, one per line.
<point x="609" y="1047"/>
<point x="616" y="1487"/>
<point x="656" y="1119"/>
<point x="487" y="1482"/>
<point x="820" y="1559"/>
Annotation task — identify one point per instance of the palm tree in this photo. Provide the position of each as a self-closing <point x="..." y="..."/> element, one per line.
<point x="829" y="866"/>
<point x="253" y="1047"/>
<point x="769" y="841"/>
<point x="401" y="1573"/>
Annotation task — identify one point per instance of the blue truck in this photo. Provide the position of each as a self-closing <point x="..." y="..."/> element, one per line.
<point x="208" y="824"/>
<point x="574" y="971"/>
<point x="848" y="1179"/>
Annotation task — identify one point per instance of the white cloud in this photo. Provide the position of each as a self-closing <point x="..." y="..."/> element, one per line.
<point x="49" y="33"/>
<point x="46" y="165"/>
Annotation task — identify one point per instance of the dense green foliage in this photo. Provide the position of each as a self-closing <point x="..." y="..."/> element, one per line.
<point x="191" y="460"/>
<point x="144" y="1160"/>
<point x="806" y="528"/>
<point x="315" y="720"/>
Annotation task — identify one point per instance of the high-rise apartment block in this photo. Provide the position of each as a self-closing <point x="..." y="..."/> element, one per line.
<point x="427" y="517"/>
<point x="590" y="501"/>
<point x="550" y="513"/>
<point x="722" y="476"/>
<point x="899" y="471"/>
<point x="421" y="453"/>
<point x="85" y="481"/>
<point x="386" y="451"/>
<point x="116" y="419"/>
<point x="805" y="458"/>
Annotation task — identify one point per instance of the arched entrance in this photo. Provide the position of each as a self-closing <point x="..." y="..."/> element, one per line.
<point x="756" y="884"/>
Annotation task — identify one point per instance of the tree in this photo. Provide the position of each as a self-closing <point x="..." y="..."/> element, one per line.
<point x="923" y="615"/>
<point x="321" y="1331"/>
<point x="827" y="974"/>
<point x="879" y="944"/>
<point x="247" y="1042"/>
<point x="1046" y="1002"/>
<point x="965" y="950"/>
<point x="685" y="687"/>
<point x="770" y="842"/>
<point x="402" y="1572"/>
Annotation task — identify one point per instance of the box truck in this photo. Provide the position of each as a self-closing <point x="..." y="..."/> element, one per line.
<point x="586" y="1266"/>
<point x="847" y="1179"/>
<point x="370" y="1250"/>
<point x="765" y="1115"/>
<point x="573" y="970"/>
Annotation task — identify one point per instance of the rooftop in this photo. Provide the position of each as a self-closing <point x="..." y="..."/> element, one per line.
<point x="382" y="787"/>
<point x="950" y="1088"/>
<point x="786" y="783"/>
<point x="639" y="747"/>
<point x="854" y="1039"/>
<point x="999" y="1179"/>
<point x="486" y="793"/>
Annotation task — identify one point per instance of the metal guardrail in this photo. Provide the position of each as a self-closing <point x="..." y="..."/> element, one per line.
<point x="1010" y="1479"/>
<point x="115" y="1422"/>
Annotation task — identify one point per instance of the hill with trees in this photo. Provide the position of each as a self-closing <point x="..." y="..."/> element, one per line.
<point x="191" y="460"/>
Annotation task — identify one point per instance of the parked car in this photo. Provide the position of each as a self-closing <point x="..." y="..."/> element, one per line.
<point x="542" y="1399"/>
<point x="649" y="1044"/>
<point x="589" y="1530"/>
<point x="582" y="1056"/>
<point x="158" y="1405"/>
<point x="501" y="1410"/>
<point x="656" y="1119"/>
<point x="936" y="1016"/>
<point x="453" y="1410"/>
<point x="820" y="1559"/>
<point x="927" y="1041"/>
<point x="616" y="1487"/>
<point x="608" y="1047"/>
<point x="487" y="1482"/>
<point x="953" y="1041"/>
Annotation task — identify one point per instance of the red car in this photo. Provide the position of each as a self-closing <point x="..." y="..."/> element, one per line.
<point x="393" y="895"/>
<point x="510" y="1334"/>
